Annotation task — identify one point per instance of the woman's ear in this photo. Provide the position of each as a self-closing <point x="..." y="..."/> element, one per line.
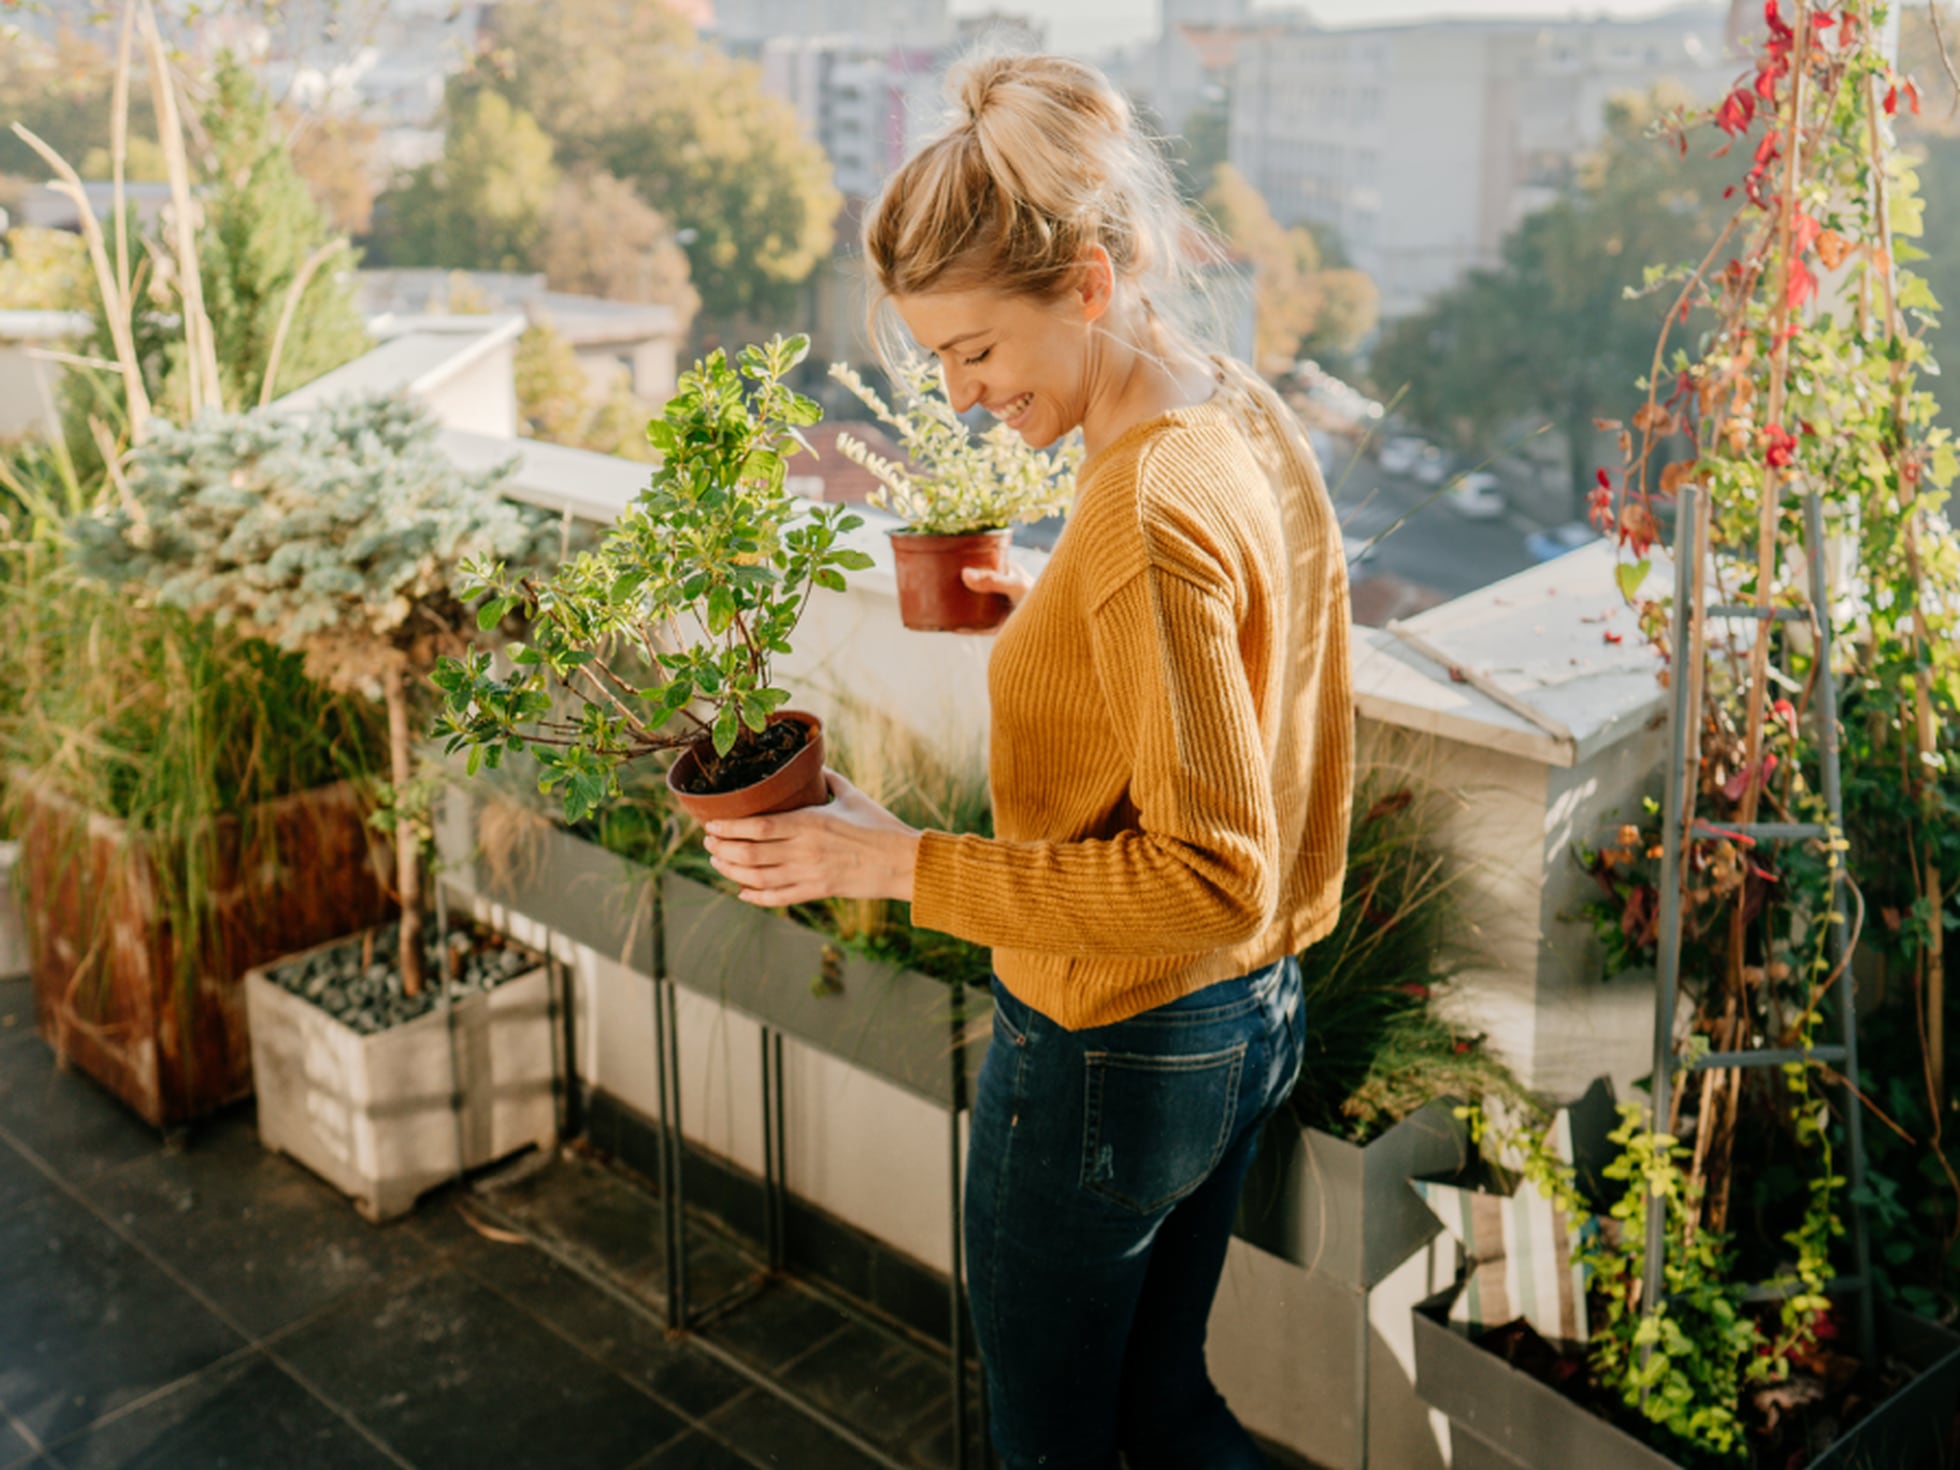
<point x="1096" y="287"/>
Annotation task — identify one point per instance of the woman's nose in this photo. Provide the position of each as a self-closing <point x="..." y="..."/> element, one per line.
<point x="962" y="390"/>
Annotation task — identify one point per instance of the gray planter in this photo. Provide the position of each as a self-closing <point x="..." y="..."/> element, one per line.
<point x="578" y="889"/>
<point x="896" y="1024"/>
<point x="1504" y="1419"/>
<point x="1345" y="1209"/>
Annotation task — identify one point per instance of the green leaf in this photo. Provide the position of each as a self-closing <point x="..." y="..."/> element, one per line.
<point x="491" y="613"/>
<point x="721" y="608"/>
<point x="852" y="561"/>
<point x="1630" y="574"/>
<point x="726" y="728"/>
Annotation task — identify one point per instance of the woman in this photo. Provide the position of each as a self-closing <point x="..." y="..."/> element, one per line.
<point x="1171" y="758"/>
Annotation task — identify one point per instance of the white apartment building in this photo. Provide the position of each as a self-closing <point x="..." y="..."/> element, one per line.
<point x="743" y="24"/>
<point x="1421" y="145"/>
<point x="855" y="95"/>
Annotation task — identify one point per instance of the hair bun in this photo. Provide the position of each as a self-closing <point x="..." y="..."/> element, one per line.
<point x="977" y="81"/>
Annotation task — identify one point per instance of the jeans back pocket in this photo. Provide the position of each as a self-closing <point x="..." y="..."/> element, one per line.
<point x="1154" y="1127"/>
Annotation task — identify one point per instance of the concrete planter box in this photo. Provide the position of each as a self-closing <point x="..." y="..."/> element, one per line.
<point x="1503" y="1419"/>
<point x="108" y="995"/>
<point x="373" y="1114"/>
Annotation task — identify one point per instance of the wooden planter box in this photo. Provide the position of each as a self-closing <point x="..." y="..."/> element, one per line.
<point x="13" y="927"/>
<point x="1503" y="1419"/>
<point x="107" y="993"/>
<point x="375" y="1114"/>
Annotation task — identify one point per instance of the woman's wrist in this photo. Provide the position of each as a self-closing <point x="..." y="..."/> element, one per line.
<point x="905" y="864"/>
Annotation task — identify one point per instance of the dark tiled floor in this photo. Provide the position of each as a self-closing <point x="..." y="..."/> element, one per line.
<point x="215" y="1305"/>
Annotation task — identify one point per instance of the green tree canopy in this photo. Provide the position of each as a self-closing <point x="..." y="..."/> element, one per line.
<point x="485" y="204"/>
<point x="1550" y="331"/>
<point x="261" y="228"/>
<point x="634" y="93"/>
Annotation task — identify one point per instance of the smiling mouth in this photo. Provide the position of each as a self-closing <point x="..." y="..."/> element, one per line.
<point x="1014" y="408"/>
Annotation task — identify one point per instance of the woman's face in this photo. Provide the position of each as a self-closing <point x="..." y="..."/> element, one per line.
<point x="1027" y="360"/>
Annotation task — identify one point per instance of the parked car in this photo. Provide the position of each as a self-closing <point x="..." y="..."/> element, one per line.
<point x="1432" y="466"/>
<point x="1555" y="541"/>
<point x="1399" y="454"/>
<point x="1477" y="496"/>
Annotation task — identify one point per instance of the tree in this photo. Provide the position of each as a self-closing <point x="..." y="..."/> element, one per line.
<point x="635" y="94"/>
<point x="334" y="153"/>
<point x="1297" y="300"/>
<point x="61" y="90"/>
<point x="261" y="230"/>
<point x="44" y="270"/>
<point x="556" y="402"/>
<point x="603" y="240"/>
<point x="485" y="204"/>
<point x="1550" y="331"/>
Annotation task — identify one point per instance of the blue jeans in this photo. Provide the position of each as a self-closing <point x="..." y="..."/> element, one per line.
<point x="1103" y="1176"/>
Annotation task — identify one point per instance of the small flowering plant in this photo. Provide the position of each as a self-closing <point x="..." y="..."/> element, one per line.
<point x="960" y="482"/>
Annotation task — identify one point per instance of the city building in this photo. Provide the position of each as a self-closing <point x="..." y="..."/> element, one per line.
<point x="749" y="24"/>
<point x="853" y="94"/>
<point x="1420" y="146"/>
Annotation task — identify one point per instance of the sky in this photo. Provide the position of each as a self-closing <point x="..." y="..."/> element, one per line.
<point x="1093" y="25"/>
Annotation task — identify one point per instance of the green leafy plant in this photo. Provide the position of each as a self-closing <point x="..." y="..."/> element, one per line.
<point x="664" y="635"/>
<point x="1378" y="1048"/>
<point x="1683" y="1368"/>
<point x="958" y="481"/>
<point x="335" y="535"/>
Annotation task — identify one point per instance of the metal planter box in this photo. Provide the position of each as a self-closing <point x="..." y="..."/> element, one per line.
<point x="1346" y="1209"/>
<point x="374" y="1114"/>
<point x="1504" y="1419"/>
<point x="895" y="1024"/>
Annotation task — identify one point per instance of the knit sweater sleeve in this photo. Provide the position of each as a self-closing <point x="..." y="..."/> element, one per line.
<point x="1199" y="870"/>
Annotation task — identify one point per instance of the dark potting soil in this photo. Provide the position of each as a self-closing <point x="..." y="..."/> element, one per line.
<point x="756" y="760"/>
<point x="1790" y="1424"/>
<point x="361" y="985"/>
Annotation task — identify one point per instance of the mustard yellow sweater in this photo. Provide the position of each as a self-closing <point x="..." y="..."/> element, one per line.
<point x="1172" y="730"/>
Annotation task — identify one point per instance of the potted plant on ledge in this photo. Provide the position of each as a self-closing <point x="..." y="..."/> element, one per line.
<point x="337" y="536"/>
<point x="960" y="500"/>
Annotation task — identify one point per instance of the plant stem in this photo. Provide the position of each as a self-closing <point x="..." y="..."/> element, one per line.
<point x="408" y="868"/>
<point x="1931" y="957"/>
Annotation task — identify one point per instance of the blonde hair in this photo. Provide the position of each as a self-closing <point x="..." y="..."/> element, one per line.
<point x="1040" y="160"/>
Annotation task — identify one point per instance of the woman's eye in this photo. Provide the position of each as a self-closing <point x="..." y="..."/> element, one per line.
<point x="977" y="358"/>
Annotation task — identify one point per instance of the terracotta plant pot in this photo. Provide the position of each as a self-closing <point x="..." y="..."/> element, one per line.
<point x="800" y="783"/>
<point x="931" y="596"/>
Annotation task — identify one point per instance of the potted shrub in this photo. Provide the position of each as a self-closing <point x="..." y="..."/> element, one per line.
<point x="662" y="638"/>
<point x="337" y="536"/>
<point x="960" y="496"/>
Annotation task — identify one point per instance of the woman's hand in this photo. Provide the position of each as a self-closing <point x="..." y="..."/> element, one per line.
<point x="851" y="848"/>
<point x="1013" y="583"/>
